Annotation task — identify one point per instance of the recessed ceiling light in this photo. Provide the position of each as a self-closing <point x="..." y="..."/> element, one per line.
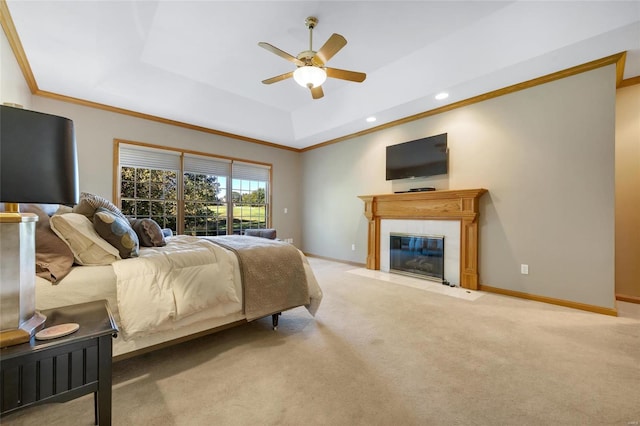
<point x="371" y="119"/>
<point x="442" y="95"/>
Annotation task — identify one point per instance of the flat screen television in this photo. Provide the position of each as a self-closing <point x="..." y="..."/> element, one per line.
<point x="418" y="158"/>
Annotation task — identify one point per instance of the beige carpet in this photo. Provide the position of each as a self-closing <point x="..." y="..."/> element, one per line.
<point x="381" y="352"/>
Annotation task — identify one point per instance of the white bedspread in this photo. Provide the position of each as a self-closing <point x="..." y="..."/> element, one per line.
<point x="166" y="284"/>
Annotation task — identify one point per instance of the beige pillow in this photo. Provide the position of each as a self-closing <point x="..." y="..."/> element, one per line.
<point x="63" y="210"/>
<point x="87" y="246"/>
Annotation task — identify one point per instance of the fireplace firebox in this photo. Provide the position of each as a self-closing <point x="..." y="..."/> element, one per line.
<point x="420" y="256"/>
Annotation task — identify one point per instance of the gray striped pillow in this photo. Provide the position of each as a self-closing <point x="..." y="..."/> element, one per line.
<point x="89" y="203"/>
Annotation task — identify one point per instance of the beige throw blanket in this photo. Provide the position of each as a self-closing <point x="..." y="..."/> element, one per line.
<point x="273" y="275"/>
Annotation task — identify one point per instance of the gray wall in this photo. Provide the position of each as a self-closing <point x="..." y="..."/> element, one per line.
<point x="96" y="129"/>
<point x="13" y="87"/>
<point x="545" y="154"/>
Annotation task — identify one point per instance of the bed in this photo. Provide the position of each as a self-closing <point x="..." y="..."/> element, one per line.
<point x="184" y="288"/>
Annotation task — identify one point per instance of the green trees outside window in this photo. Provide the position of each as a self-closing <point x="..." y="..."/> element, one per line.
<point x="205" y="209"/>
<point x="214" y="192"/>
<point x="150" y="193"/>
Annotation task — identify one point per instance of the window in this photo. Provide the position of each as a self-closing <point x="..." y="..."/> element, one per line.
<point x="249" y="196"/>
<point x="205" y="193"/>
<point x="193" y="194"/>
<point x="149" y="184"/>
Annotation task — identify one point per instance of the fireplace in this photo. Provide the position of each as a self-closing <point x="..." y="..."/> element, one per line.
<point x="461" y="206"/>
<point x="420" y="256"/>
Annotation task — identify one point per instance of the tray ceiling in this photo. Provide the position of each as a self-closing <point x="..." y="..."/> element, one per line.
<point x="199" y="62"/>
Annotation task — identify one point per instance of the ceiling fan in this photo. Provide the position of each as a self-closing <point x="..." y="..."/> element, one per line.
<point x="311" y="71"/>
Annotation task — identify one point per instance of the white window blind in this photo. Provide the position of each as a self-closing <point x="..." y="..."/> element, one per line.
<point x="248" y="171"/>
<point x="206" y="165"/>
<point x="149" y="158"/>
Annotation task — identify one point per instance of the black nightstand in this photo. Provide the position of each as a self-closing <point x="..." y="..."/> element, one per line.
<point x="65" y="368"/>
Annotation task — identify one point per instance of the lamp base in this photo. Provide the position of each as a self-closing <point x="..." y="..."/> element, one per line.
<point x="27" y="330"/>
<point x="18" y="317"/>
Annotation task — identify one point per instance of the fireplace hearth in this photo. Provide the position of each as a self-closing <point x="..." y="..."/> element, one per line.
<point x="419" y="256"/>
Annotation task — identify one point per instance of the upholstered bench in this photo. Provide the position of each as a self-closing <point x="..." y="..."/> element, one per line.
<point x="263" y="233"/>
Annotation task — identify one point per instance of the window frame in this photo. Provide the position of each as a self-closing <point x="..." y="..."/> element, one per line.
<point x="180" y="218"/>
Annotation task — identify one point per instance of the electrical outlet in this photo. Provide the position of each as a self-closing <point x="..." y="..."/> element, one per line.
<point x="286" y="210"/>
<point x="353" y="247"/>
<point x="524" y="269"/>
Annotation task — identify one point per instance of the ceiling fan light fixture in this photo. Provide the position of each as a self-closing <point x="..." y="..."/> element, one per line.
<point x="312" y="72"/>
<point x="309" y="76"/>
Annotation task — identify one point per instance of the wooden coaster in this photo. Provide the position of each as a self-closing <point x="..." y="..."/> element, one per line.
<point x="57" y="331"/>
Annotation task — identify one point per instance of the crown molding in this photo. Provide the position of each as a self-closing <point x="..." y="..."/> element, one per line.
<point x="18" y="51"/>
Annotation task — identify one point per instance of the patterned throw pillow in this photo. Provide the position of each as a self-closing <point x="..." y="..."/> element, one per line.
<point x="149" y="232"/>
<point x="117" y="232"/>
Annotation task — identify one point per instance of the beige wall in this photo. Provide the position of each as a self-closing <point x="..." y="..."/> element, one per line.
<point x="545" y="154"/>
<point x="13" y="87"/>
<point x="96" y="129"/>
<point x="628" y="192"/>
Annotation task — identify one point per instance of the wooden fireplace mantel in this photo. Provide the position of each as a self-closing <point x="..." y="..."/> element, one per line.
<point x="459" y="205"/>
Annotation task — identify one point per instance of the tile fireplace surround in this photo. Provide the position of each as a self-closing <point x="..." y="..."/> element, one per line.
<point x="461" y="205"/>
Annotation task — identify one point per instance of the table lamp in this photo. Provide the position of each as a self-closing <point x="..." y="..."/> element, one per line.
<point x="38" y="164"/>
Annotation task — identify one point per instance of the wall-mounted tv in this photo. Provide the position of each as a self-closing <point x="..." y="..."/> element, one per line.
<point x="418" y="158"/>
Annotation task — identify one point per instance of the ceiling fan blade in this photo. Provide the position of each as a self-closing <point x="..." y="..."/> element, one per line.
<point x="330" y="48"/>
<point x="358" y="77"/>
<point x="316" y="92"/>
<point x="281" y="53"/>
<point x="278" y="78"/>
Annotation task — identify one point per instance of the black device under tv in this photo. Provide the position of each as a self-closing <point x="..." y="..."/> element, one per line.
<point x="424" y="189"/>
<point x="418" y="158"/>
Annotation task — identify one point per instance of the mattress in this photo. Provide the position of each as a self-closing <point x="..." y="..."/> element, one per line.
<point x="88" y="283"/>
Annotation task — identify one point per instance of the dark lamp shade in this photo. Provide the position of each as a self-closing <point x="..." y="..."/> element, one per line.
<point x="38" y="160"/>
